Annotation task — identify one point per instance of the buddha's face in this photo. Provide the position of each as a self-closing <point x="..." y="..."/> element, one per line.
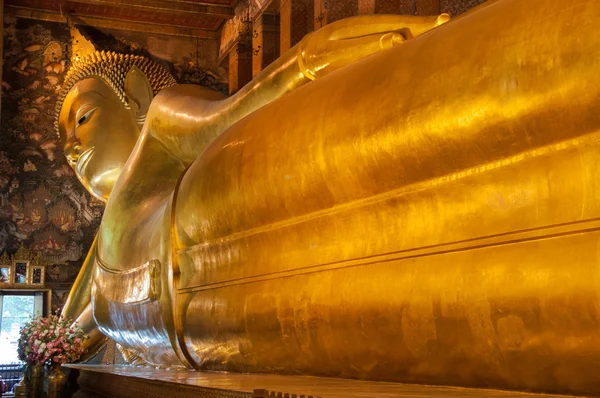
<point x="98" y="134"/>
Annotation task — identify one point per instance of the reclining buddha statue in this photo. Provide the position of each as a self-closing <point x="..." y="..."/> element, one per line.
<point x="390" y="200"/>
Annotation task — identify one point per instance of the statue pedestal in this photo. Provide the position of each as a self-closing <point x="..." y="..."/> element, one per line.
<point x="125" y="382"/>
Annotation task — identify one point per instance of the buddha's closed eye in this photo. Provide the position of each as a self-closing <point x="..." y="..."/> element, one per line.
<point x="85" y="117"/>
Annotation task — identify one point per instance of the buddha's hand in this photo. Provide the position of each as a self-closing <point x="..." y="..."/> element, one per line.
<point x="349" y="40"/>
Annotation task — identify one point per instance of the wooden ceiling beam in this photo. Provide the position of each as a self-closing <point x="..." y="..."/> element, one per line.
<point x="178" y="7"/>
<point x="108" y="23"/>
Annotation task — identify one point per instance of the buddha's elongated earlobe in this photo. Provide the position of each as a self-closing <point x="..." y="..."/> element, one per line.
<point x="139" y="93"/>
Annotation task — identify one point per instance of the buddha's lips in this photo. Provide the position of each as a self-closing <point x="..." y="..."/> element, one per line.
<point x="83" y="160"/>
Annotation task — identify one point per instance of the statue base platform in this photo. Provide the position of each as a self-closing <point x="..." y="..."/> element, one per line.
<point x="96" y="381"/>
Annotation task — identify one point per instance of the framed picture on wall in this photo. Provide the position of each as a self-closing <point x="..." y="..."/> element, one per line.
<point x="21" y="268"/>
<point x="37" y="275"/>
<point x="6" y="273"/>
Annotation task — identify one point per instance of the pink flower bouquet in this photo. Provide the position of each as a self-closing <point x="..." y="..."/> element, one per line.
<point x="51" y="340"/>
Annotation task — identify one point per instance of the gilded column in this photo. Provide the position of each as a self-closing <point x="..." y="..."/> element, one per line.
<point x="285" y="21"/>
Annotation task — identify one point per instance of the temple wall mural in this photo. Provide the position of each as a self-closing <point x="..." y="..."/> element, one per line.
<point x="43" y="207"/>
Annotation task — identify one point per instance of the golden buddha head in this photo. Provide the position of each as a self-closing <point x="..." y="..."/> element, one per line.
<point x="101" y="109"/>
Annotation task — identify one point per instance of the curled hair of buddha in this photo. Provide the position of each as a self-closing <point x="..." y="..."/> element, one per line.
<point x="112" y="68"/>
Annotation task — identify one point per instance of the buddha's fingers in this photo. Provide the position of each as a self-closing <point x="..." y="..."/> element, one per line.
<point x="318" y="58"/>
<point x="366" y="25"/>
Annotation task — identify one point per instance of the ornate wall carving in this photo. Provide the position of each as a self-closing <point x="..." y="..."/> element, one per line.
<point x="245" y="11"/>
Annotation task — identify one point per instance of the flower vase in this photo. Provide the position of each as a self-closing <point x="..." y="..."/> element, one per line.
<point x="35" y="381"/>
<point x="20" y="389"/>
<point x="56" y="381"/>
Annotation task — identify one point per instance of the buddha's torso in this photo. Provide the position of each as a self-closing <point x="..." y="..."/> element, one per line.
<point x="383" y="235"/>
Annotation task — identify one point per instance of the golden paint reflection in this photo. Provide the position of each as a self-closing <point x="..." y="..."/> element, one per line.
<point x="425" y="213"/>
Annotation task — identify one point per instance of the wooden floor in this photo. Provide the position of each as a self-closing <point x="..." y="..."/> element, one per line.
<point x="214" y="384"/>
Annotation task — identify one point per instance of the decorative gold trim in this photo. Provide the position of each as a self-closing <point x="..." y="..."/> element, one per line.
<point x="5" y="259"/>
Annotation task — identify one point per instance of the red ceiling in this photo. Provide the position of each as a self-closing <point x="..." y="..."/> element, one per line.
<point x="163" y="16"/>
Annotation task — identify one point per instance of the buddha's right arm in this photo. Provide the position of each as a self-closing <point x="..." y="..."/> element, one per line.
<point x="78" y="306"/>
<point x="187" y="118"/>
<point x="81" y="292"/>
